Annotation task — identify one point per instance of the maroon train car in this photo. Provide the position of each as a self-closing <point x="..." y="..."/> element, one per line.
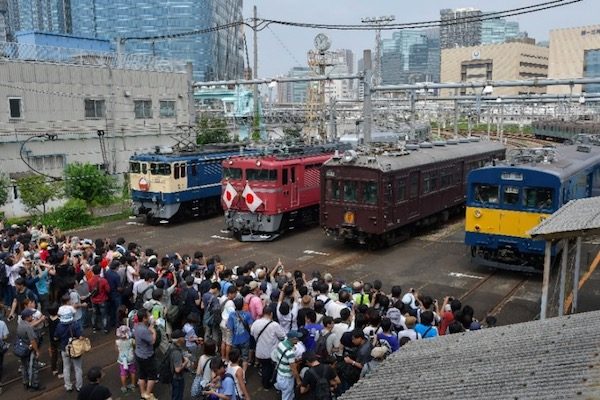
<point x="378" y="199"/>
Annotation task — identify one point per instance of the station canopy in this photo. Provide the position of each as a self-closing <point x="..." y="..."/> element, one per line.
<point x="576" y="218"/>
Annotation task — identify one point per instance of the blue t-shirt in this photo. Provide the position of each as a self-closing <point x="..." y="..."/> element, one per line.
<point x="391" y="339"/>
<point x="114" y="280"/>
<point x="228" y="388"/>
<point x="313" y="334"/>
<point x="240" y="334"/>
<point x="42" y="283"/>
<point x="421" y="329"/>
<point x="225" y="286"/>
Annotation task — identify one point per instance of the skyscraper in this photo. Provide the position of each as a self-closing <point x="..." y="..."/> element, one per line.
<point x="460" y="27"/>
<point x="411" y="56"/>
<point x="499" y="31"/>
<point x="214" y="55"/>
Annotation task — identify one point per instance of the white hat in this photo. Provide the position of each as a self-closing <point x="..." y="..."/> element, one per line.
<point x="409" y="300"/>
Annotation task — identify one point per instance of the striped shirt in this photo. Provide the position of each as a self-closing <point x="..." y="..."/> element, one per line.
<point x="284" y="352"/>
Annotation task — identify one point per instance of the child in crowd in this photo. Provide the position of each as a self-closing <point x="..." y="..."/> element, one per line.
<point x="125" y="344"/>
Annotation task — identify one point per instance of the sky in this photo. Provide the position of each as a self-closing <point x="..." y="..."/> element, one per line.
<point x="281" y="47"/>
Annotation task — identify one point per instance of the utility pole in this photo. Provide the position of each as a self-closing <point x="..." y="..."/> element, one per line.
<point x="256" y="130"/>
<point x="377" y="21"/>
<point x="367" y="105"/>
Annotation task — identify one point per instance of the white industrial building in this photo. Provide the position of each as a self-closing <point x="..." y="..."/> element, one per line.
<point x="96" y="107"/>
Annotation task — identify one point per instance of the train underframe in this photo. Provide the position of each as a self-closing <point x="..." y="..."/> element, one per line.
<point x="155" y="211"/>
<point x="508" y="258"/>
<point x="256" y="227"/>
<point x="353" y="234"/>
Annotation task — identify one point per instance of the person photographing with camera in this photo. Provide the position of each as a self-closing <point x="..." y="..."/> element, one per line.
<point x="145" y="336"/>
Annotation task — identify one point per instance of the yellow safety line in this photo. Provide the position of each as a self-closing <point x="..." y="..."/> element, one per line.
<point x="582" y="280"/>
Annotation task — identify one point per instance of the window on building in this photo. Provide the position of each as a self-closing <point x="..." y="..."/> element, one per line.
<point x="591" y="69"/>
<point x="48" y="162"/>
<point x="95" y="108"/>
<point x="167" y="109"/>
<point x="142" y="109"/>
<point x="15" y="107"/>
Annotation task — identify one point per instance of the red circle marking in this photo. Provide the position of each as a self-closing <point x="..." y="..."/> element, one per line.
<point x="228" y="196"/>
<point x="143" y="184"/>
<point x="249" y="198"/>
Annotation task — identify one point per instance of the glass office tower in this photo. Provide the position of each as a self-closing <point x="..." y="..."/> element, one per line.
<point x="591" y="69"/>
<point x="216" y="55"/>
<point x="411" y="56"/>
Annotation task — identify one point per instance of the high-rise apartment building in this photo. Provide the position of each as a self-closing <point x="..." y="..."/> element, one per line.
<point x="214" y="55"/>
<point x="411" y="56"/>
<point x="4" y="30"/>
<point x="294" y="92"/>
<point x="460" y="27"/>
<point x="342" y="63"/>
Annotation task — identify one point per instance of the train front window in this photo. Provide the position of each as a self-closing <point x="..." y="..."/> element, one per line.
<point x="333" y="189"/>
<point x="486" y="194"/>
<point x="160" y="169"/>
<point x="510" y="195"/>
<point x="134" y="167"/>
<point x="232" y="173"/>
<point x="349" y="191"/>
<point x="538" y="198"/>
<point x="369" y="194"/>
<point x="261" y="174"/>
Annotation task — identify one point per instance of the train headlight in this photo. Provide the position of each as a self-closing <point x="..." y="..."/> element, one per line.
<point x="349" y="217"/>
<point x="258" y="163"/>
<point x="230" y="162"/>
<point x="477" y="213"/>
<point x="477" y="228"/>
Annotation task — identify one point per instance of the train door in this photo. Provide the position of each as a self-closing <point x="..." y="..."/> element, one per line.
<point x="294" y="200"/>
<point x="412" y="206"/>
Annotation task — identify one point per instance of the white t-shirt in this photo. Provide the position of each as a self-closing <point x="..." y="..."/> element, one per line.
<point x="3" y="331"/>
<point x="228" y="308"/>
<point x="409" y="333"/>
<point x="334" y="308"/>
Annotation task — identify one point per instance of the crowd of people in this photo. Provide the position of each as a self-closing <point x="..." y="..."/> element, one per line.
<point x="178" y="317"/>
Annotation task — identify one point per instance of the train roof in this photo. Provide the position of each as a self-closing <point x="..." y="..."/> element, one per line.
<point x="292" y="153"/>
<point x="415" y="155"/>
<point x="209" y="154"/>
<point x="562" y="161"/>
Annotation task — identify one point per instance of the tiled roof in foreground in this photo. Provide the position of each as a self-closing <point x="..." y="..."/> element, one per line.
<point x="558" y="358"/>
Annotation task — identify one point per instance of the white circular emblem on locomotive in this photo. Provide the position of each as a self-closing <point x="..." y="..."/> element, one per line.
<point x="143" y="184"/>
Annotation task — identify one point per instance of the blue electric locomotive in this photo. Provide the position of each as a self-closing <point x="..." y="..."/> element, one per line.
<point x="507" y="200"/>
<point x="186" y="184"/>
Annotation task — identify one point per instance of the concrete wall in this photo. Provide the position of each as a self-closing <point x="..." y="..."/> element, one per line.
<point x="567" y="47"/>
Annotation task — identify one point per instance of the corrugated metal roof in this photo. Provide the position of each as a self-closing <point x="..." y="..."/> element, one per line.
<point x="582" y="215"/>
<point x="558" y="358"/>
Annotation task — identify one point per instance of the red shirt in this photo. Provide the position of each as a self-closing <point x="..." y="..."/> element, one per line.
<point x="103" y="289"/>
<point x="447" y="319"/>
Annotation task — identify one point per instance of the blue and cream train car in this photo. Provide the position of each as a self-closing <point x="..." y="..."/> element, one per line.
<point x="186" y="184"/>
<point x="507" y="200"/>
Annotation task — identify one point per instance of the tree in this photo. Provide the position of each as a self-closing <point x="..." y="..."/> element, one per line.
<point x="36" y="192"/>
<point x="256" y="127"/>
<point x="4" y="188"/>
<point x="88" y="183"/>
<point x="212" y="130"/>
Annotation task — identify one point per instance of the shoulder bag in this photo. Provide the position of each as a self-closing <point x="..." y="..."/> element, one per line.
<point x="77" y="346"/>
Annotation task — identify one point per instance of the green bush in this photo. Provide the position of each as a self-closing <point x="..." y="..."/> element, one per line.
<point x="74" y="214"/>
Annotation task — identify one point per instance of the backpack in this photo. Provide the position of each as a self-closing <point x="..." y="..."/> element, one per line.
<point x="165" y="368"/>
<point x="139" y="299"/>
<point x="3" y="276"/>
<point x="321" y="347"/>
<point x="322" y="389"/>
<point x="212" y="314"/>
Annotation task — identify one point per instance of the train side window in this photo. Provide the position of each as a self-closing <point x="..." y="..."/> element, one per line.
<point x="284" y="176"/>
<point x="293" y="176"/>
<point x="486" y="194"/>
<point x="194" y="171"/>
<point x="349" y="191"/>
<point x="134" y="167"/>
<point x="144" y="168"/>
<point x="414" y="185"/>
<point x="176" y="170"/>
<point x="539" y="198"/>
<point x="400" y="190"/>
<point x="160" y="169"/>
<point x="510" y="195"/>
<point x="369" y="195"/>
<point x="182" y="173"/>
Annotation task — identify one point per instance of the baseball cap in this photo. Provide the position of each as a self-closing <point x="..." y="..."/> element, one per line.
<point x="26" y="313"/>
<point x="294" y="335"/>
<point x="253" y="285"/>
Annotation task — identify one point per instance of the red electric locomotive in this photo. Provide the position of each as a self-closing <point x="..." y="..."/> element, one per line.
<point x="263" y="196"/>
